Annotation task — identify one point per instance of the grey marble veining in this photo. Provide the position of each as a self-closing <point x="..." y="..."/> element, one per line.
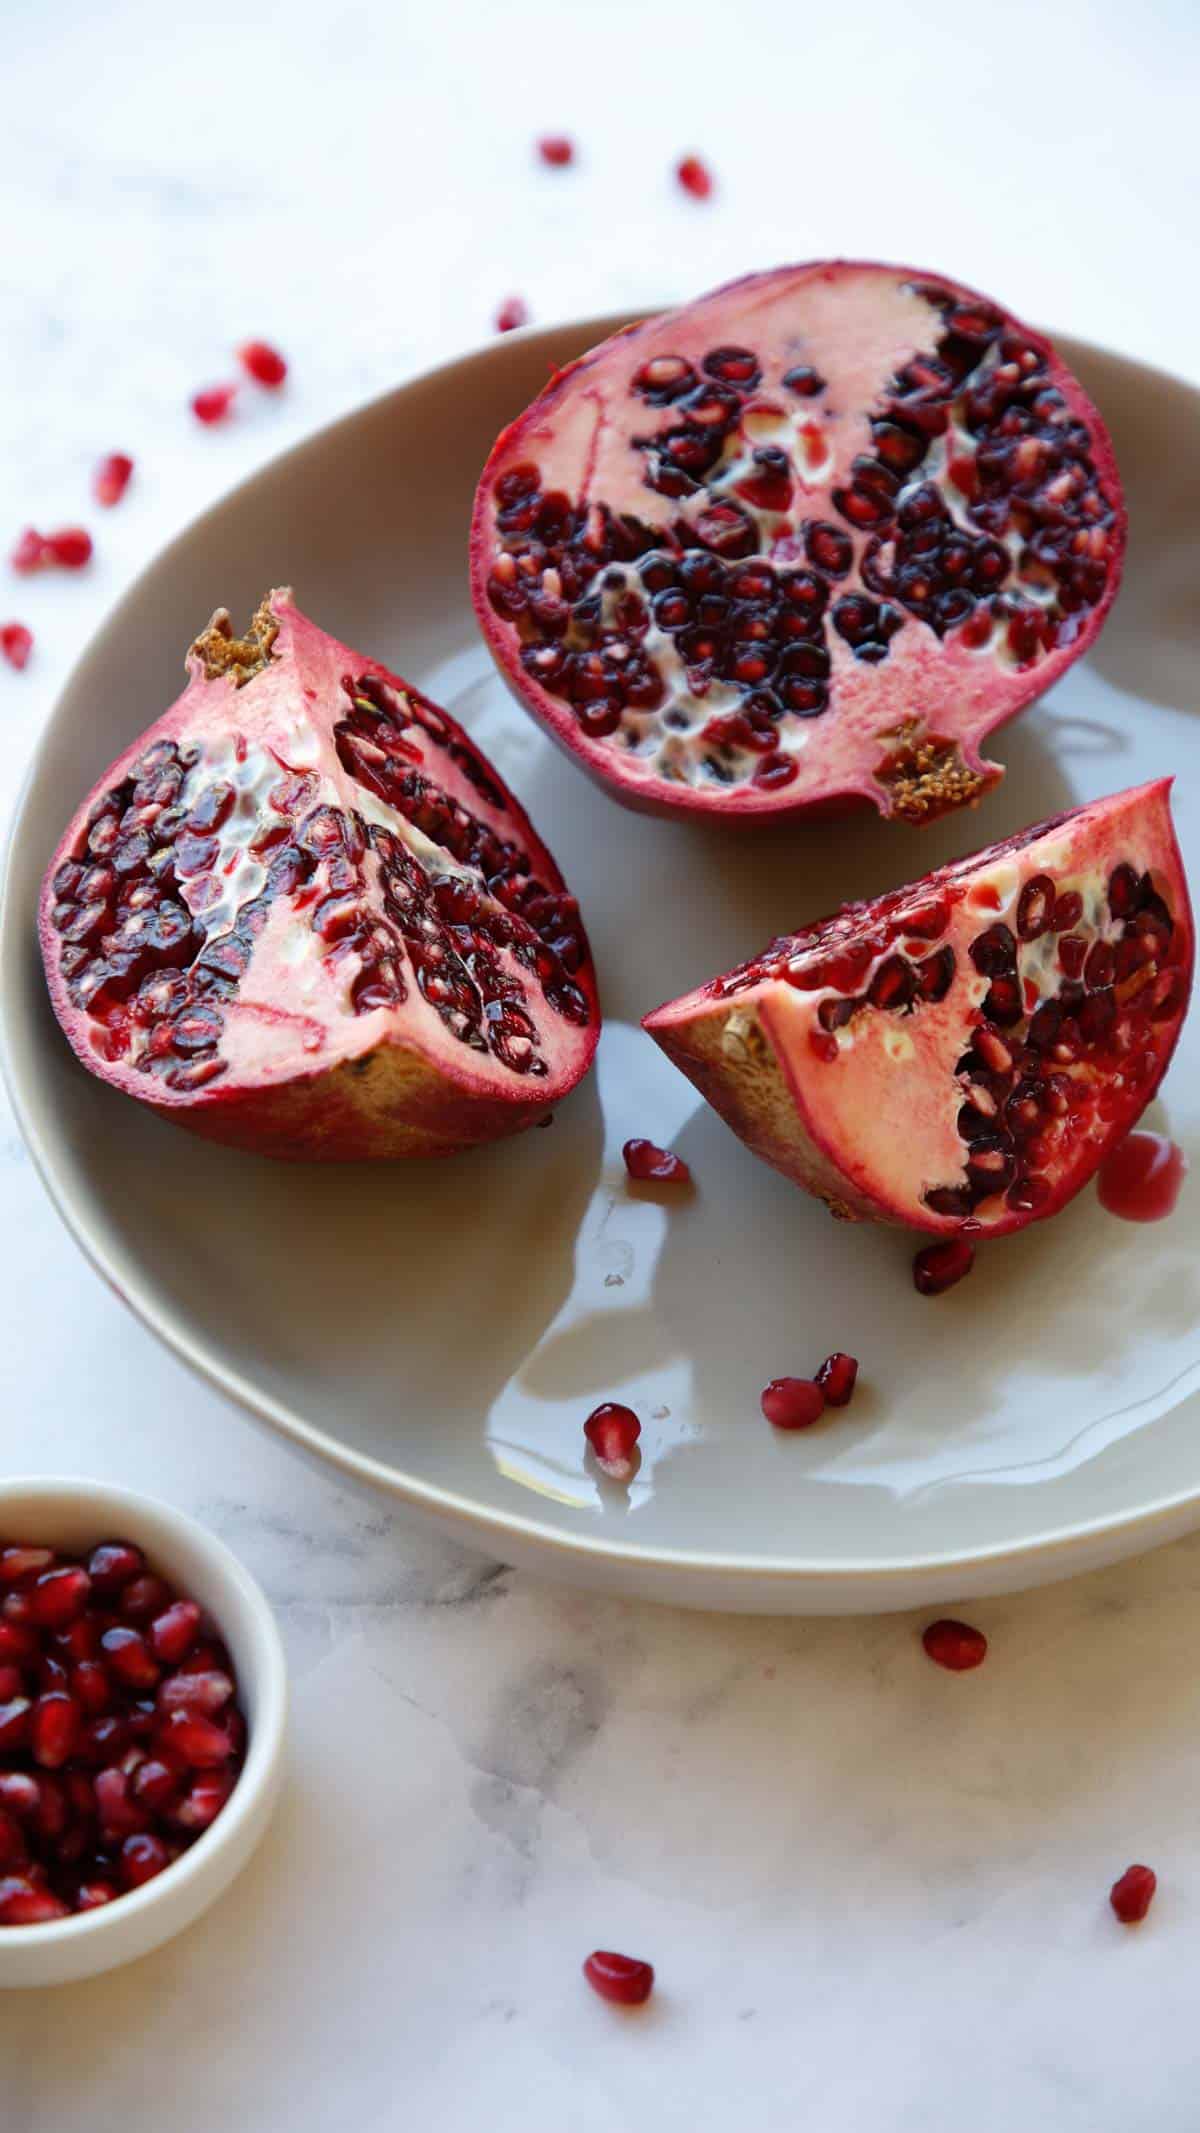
<point x="875" y="1893"/>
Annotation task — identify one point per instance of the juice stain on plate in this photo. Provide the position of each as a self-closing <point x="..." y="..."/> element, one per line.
<point x="1141" y="1179"/>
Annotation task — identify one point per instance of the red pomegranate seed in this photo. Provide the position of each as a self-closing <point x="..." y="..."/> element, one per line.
<point x="92" y="1893"/>
<point x="205" y="1798"/>
<point x="129" y="1659"/>
<point x="113" y="1564"/>
<point x="837" y="1377"/>
<point x="695" y="177"/>
<point x="70" y="547"/>
<point x="207" y="1692"/>
<point x="55" y="1729"/>
<point x="557" y="149"/>
<point x="1142" y="1178"/>
<point x="30" y="552"/>
<point x="59" y="1596"/>
<point x="19" y="1566"/>
<point x="939" y="1266"/>
<point x="646" y="1162"/>
<point x="195" y="1739"/>
<point x="111" y="479"/>
<point x="955" y="1645"/>
<point x="613" y="1431"/>
<point x="173" y="1633"/>
<point x="792" y="1403"/>
<point x="12" y="1683"/>
<point x="24" y="1904"/>
<point x="1132" y="1896"/>
<point x="16" y="644"/>
<point x="156" y="1785"/>
<point x="120" y="1814"/>
<point x="142" y="1857"/>
<point x="12" y="1841"/>
<point x="91" y="1687"/>
<point x="624" y="1979"/>
<point x="262" y="363"/>
<point x="19" y="1794"/>
<point x="143" y="1598"/>
<point x="513" y="312"/>
<point x="18" y="1645"/>
<point x="213" y="402"/>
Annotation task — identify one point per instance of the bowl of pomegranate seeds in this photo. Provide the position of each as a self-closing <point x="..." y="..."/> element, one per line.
<point x="143" y="1694"/>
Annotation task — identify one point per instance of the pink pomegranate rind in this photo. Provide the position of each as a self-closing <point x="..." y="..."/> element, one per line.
<point x="961" y="1054"/>
<point x="801" y="545"/>
<point x="303" y="915"/>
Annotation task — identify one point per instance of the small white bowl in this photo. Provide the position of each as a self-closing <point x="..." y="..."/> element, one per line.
<point x="78" y="1514"/>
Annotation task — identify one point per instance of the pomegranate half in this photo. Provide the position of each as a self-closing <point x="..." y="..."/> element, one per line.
<point x="963" y="1052"/>
<point x="799" y="545"/>
<point x="302" y="914"/>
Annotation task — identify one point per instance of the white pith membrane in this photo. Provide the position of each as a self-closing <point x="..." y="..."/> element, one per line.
<point x="582" y="556"/>
<point x="871" y="1059"/>
<point x="241" y="904"/>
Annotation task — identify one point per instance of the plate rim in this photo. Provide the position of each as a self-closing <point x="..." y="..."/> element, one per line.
<point x="1047" y="1553"/>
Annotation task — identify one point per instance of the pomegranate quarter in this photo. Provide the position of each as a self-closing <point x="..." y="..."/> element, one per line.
<point x="802" y="544"/>
<point x="963" y="1052"/>
<point x="303" y="915"/>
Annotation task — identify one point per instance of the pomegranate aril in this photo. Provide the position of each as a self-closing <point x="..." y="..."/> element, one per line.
<point x="624" y="1979"/>
<point x="59" y="1596"/>
<point x="194" y="1739"/>
<point x="12" y="1841"/>
<point x="695" y="177"/>
<point x="113" y="1564"/>
<point x="120" y="1815"/>
<point x="16" y="644"/>
<point x="19" y="1566"/>
<point x="111" y="479"/>
<point x="613" y="1430"/>
<point x="513" y="312"/>
<point x="1132" y="1895"/>
<point x="142" y="1857"/>
<point x="12" y="1683"/>
<point x="940" y="1266"/>
<point x="206" y="1691"/>
<point x="30" y="552"/>
<point x="954" y="1645"/>
<point x="19" y="1795"/>
<point x="174" y="1632"/>
<point x="70" y="547"/>
<point x="129" y="1659"/>
<point x="213" y="403"/>
<point x="156" y="1784"/>
<point x="54" y="1730"/>
<point x="1142" y="1177"/>
<point x="94" y="1892"/>
<point x="144" y="1597"/>
<point x="837" y="1377"/>
<point x="792" y="1403"/>
<point x="648" y="1163"/>
<point x="556" y="149"/>
<point x="262" y="363"/>
<point x="203" y="1801"/>
<point x="22" y="1903"/>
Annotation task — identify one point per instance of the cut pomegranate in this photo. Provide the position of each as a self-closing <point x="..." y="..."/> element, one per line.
<point x="118" y="1729"/>
<point x="801" y="544"/>
<point x="302" y="914"/>
<point x="650" y="1164"/>
<point x="624" y="1979"/>
<point x="926" y="1059"/>
<point x="556" y="149"/>
<point x="955" y="1645"/>
<point x="16" y="644"/>
<point x="513" y="312"/>
<point x="695" y="177"/>
<point x="213" y="402"/>
<point x="262" y="363"/>
<point x="111" y="479"/>
<point x="1142" y="1178"/>
<point x="793" y="1403"/>
<point x="1132" y="1896"/>
<point x="942" y="1266"/>
<point x="837" y="1378"/>
<point x="613" y="1432"/>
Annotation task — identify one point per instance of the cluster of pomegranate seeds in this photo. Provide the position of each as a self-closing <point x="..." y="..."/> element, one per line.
<point x="940" y="1266"/>
<point x="649" y="1164"/>
<point x="624" y="1979"/>
<point x="1141" y="1180"/>
<point x="16" y="643"/>
<point x="613" y="1432"/>
<point x="695" y="177"/>
<point x="792" y="1403"/>
<point x="955" y="1645"/>
<point x="262" y="363"/>
<point x="213" y="402"/>
<point x="556" y="149"/>
<point x="121" y="1738"/>
<point x="1132" y="1896"/>
<point x="513" y="312"/>
<point x="111" y="479"/>
<point x="68" y="549"/>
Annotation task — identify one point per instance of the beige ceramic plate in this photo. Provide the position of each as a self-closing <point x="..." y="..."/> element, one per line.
<point x="442" y="1330"/>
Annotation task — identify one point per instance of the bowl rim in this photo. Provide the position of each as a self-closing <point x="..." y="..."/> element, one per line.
<point x="488" y="1529"/>
<point x="265" y="1740"/>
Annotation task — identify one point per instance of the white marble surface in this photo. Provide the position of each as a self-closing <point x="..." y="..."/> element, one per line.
<point x="875" y="1893"/>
